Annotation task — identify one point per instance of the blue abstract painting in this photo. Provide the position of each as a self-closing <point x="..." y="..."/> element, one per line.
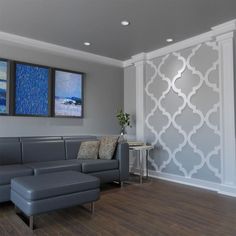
<point x="3" y="87"/>
<point x="31" y="90"/>
<point x="68" y="94"/>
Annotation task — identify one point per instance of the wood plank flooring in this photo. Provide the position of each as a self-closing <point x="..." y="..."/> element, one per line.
<point x="153" y="208"/>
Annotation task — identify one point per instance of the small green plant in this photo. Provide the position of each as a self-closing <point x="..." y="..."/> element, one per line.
<point x="123" y="119"/>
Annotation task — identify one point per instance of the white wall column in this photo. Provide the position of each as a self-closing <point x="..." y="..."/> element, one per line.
<point x="139" y="62"/>
<point x="228" y="112"/>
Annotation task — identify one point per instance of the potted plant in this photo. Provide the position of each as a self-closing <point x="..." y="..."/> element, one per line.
<point x="124" y="121"/>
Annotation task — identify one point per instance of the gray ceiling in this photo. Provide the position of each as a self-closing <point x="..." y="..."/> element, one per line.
<point x="71" y="22"/>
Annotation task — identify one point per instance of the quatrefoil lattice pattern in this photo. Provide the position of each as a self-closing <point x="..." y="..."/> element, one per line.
<point x="182" y="112"/>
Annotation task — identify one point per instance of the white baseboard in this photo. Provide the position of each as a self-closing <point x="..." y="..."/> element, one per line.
<point x="216" y="187"/>
<point x="187" y="181"/>
<point x="227" y="190"/>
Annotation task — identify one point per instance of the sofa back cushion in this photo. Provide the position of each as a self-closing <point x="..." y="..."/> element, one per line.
<point x="9" y="139"/>
<point x="40" y="138"/>
<point x="10" y="151"/>
<point x="73" y="145"/>
<point x="36" y="151"/>
<point x="80" y="137"/>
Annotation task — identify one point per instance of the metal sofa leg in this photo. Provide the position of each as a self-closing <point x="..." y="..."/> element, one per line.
<point x="121" y="184"/>
<point x="31" y="222"/>
<point x="92" y="207"/>
<point x="17" y="210"/>
<point x="27" y="220"/>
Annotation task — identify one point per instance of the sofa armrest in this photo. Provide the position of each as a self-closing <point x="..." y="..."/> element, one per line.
<point x="122" y="154"/>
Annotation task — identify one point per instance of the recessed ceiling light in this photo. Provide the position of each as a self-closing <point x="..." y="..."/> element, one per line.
<point x="169" y="40"/>
<point x="125" y="22"/>
<point x="87" y="43"/>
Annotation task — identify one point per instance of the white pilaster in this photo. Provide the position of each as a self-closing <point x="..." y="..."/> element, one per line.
<point x="228" y="116"/>
<point x="139" y="62"/>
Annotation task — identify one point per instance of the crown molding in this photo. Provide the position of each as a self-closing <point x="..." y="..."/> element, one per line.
<point x="215" y="32"/>
<point x="135" y="59"/>
<point x="224" y="28"/>
<point x="127" y="63"/>
<point x="14" y="39"/>
<point x="226" y="36"/>
<point x="139" y="57"/>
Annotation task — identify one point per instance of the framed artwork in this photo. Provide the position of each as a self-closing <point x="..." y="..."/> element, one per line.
<point x="31" y="90"/>
<point x="68" y="93"/>
<point x="4" y="87"/>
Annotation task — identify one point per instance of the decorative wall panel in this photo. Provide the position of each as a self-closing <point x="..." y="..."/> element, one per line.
<point x="182" y="113"/>
<point x="4" y="84"/>
<point x="31" y="90"/>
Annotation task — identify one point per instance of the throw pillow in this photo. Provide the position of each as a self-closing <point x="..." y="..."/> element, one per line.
<point x="107" y="147"/>
<point x="88" y="150"/>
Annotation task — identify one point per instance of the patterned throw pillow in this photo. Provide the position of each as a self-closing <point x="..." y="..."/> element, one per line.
<point x="107" y="147"/>
<point x="88" y="150"/>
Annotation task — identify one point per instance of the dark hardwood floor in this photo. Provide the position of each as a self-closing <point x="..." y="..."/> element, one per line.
<point x="153" y="208"/>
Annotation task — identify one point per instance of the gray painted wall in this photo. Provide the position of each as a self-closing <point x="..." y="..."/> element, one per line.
<point x="103" y="91"/>
<point x="130" y="97"/>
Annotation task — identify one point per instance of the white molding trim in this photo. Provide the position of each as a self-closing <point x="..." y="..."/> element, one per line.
<point x="14" y="39"/>
<point x="228" y="117"/>
<point x="226" y="36"/>
<point x="219" y="188"/>
<point x="186" y="181"/>
<point x="139" y="62"/>
<point x="127" y="63"/>
<point x="139" y="57"/>
<point x="214" y="32"/>
<point x="224" y="28"/>
<point x="57" y="49"/>
<point x="196" y="183"/>
<point x="227" y="190"/>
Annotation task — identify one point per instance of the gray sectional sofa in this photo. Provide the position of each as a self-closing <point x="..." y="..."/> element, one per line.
<point x="27" y="156"/>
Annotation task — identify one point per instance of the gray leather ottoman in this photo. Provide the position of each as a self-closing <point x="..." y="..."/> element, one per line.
<point x="42" y="193"/>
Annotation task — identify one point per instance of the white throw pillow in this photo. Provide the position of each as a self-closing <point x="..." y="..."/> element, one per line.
<point x="88" y="150"/>
<point x="107" y="147"/>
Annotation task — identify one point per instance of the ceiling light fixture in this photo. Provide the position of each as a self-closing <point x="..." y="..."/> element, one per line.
<point x="169" y="40"/>
<point x="87" y="43"/>
<point x="125" y="22"/>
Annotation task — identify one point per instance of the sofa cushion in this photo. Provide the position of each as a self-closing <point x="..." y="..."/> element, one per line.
<point x="39" y="151"/>
<point x="10" y="152"/>
<point x="107" y="147"/>
<point x="89" y="166"/>
<point x="54" y="166"/>
<point x="53" y="184"/>
<point x="7" y="172"/>
<point x="88" y="150"/>
<point x="8" y="139"/>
